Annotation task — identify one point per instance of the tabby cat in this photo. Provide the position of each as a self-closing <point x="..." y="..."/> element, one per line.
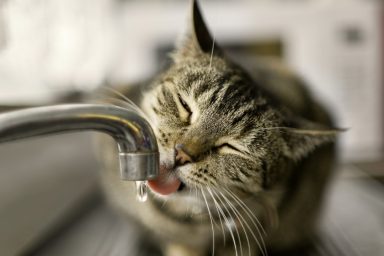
<point x="244" y="156"/>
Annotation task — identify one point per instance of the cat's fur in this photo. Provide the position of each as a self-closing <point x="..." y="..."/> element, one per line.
<point x="257" y="136"/>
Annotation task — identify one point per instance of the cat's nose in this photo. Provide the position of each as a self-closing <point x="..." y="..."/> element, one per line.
<point x="182" y="156"/>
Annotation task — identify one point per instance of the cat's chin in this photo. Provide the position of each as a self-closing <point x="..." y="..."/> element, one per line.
<point x="182" y="205"/>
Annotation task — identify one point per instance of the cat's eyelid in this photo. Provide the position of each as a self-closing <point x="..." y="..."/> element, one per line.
<point x="184" y="109"/>
<point x="227" y="146"/>
<point x="184" y="104"/>
<point x="225" y="140"/>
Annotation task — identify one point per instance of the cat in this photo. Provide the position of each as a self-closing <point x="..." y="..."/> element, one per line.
<point x="245" y="156"/>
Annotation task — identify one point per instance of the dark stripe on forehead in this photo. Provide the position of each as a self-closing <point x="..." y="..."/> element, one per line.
<point x="214" y="94"/>
<point x="246" y="128"/>
<point x="248" y="118"/>
<point x="264" y="168"/>
<point x="191" y="78"/>
<point x="234" y="97"/>
<point x="234" y="90"/>
<point x="218" y="81"/>
<point x="243" y="115"/>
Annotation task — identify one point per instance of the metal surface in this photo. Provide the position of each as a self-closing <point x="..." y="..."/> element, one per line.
<point x="139" y="157"/>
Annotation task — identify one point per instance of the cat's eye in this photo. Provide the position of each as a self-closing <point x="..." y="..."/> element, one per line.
<point x="227" y="148"/>
<point x="185" y="112"/>
<point x="184" y="104"/>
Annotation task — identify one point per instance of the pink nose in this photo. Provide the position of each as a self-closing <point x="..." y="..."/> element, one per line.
<point x="182" y="156"/>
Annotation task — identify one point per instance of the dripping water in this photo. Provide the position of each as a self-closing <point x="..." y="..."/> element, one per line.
<point x="141" y="191"/>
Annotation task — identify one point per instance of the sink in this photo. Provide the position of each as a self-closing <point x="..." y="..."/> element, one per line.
<point x="44" y="183"/>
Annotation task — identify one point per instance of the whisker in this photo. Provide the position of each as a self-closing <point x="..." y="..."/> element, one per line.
<point x="228" y="223"/>
<point x="219" y="210"/>
<point x="261" y="246"/>
<point x="117" y="93"/>
<point x="124" y="100"/>
<point x="271" y="212"/>
<point x="306" y="131"/>
<point x="211" y="219"/>
<point x="239" y="217"/>
<point x="189" y="211"/>
<point x="213" y="48"/>
<point x="164" y="203"/>
<point x="118" y="102"/>
<point x="248" y="211"/>
<point x="253" y="218"/>
<point x="197" y="190"/>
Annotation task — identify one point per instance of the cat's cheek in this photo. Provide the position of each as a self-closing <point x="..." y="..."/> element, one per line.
<point x="185" y="174"/>
<point x="167" y="156"/>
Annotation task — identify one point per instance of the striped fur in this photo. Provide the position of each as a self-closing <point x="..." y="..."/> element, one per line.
<point x="249" y="141"/>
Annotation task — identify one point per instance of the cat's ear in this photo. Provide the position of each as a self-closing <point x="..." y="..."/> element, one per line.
<point x="198" y="38"/>
<point x="200" y="33"/>
<point x="302" y="137"/>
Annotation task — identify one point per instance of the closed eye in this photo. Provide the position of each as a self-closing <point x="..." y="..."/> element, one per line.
<point x="184" y="104"/>
<point x="185" y="112"/>
<point x="227" y="148"/>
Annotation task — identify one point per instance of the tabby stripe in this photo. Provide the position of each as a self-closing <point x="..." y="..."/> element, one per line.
<point x="246" y="128"/>
<point x="231" y="89"/>
<point x="204" y="87"/>
<point x="241" y="116"/>
<point x="214" y="95"/>
<point x="245" y="173"/>
<point x="264" y="167"/>
<point x="235" y="96"/>
<point x="192" y="78"/>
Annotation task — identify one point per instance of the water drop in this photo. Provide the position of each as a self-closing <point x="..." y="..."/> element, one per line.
<point x="141" y="191"/>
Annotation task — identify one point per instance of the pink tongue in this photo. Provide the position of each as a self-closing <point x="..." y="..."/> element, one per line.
<point x="166" y="183"/>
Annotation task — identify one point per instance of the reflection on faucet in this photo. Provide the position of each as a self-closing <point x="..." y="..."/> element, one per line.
<point x="138" y="151"/>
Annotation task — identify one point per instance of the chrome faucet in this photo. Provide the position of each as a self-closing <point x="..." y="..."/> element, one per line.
<point x="138" y="151"/>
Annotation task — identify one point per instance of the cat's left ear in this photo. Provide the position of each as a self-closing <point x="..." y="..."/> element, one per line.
<point x="302" y="137"/>
<point x="199" y="39"/>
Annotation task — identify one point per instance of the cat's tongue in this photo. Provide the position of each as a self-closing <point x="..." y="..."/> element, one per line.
<point x="166" y="183"/>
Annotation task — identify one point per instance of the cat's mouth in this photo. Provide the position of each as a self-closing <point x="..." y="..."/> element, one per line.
<point x="166" y="183"/>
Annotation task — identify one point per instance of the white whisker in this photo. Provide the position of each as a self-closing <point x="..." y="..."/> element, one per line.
<point x="236" y="230"/>
<point x="248" y="211"/>
<point x="219" y="210"/>
<point x="189" y="211"/>
<point x="228" y="223"/>
<point x="124" y="100"/>
<point x="253" y="218"/>
<point x="239" y="217"/>
<point x="261" y="246"/>
<point x="213" y="48"/>
<point x="211" y="218"/>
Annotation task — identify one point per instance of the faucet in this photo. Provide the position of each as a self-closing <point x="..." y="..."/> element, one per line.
<point x="136" y="142"/>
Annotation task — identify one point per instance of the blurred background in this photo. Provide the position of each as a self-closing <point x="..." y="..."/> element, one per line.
<point x="51" y="50"/>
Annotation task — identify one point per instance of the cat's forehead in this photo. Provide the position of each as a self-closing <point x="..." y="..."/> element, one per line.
<point x="200" y="74"/>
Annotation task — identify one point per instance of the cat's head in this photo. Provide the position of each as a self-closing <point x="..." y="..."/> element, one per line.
<point x="217" y="128"/>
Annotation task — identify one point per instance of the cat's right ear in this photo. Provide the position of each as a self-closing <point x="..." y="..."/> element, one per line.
<point x="199" y="39"/>
<point x="303" y="136"/>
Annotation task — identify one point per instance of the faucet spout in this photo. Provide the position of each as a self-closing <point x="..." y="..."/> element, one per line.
<point x="138" y="151"/>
